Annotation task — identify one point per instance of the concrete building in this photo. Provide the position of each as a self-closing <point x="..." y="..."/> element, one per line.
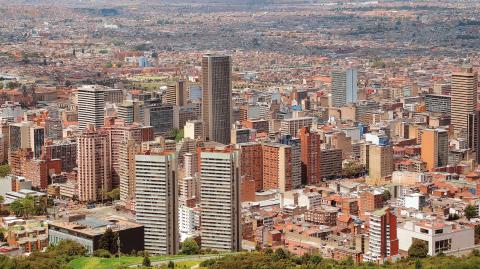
<point x="91" y="105"/>
<point x="330" y="163"/>
<point x="156" y="195"/>
<point x="383" y="241"/>
<point x="380" y="162"/>
<point x="126" y="164"/>
<point x="435" y="148"/>
<point x="131" y="111"/>
<point x="464" y="98"/>
<point x="217" y="98"/>
<point x="94" y="164"/>
<point x="194" y="130"/>
<point x="438" y="235"/>
<point x="177" y="94"/>
<point x="37" y="139"/>
<point x="160" y="117"/>
<point x="220" y="199"/>
<point x="291" y="126"/>
<point x="87" y="231"/>
<point x="437" y="103"/>
<point x="344" y="87"/>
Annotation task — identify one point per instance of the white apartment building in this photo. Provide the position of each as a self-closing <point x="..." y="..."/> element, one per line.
<point x="440" y="236"/>
<point x="220" y="199"/>
<point x="157" y="201"/>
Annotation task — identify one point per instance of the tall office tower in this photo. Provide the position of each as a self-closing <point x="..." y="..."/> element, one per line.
<point x="156" y="196"/>
<point x="277" y="167"/>
<point x="160" y="117"/>
<point x="464" y="98"/>
<point x="220" y="199"/>
<point x="194" y="130"/>
<point x="118" y="131"/>
<point x="94" y="164"/>
<point x="19" y="134"/>
<point x="310" y="148"/>
<point x="383" y="243"/>
<point x="380" y="162"/>
<point x="37" y="139"/>
<point x="91" y="104"/>
<point x="53" y="124"/>
<point x="131" y="111"/>
<point x="330" y="163"/>
<point x="344" y="87"/>
<point x="128" y="149"/>
<point x="189" y="164"/>
<point x="435" y="148"/>
<point x="176" y="94"/>
<point x="217" y="98"/>
<point x="296" y="159"/>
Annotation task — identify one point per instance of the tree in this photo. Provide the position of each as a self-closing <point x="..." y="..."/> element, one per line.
<point x="28" y="206"/>
<point x="4" y="170"/>
<point x="171" y="264"/>
<point x="146" y="260"/>
<point x="114" y="194"/>
<point x="470" y="212"/>
<point x="190" y="247"/>
<point x="418" y="249"/>
<point x="386" y="195"/>
<point x="16" y="207"/>
<point x="108" y="241"/>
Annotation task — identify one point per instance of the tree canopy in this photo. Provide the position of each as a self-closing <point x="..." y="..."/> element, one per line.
<point x="470" y="212"/>
<point x="418" y="249"/>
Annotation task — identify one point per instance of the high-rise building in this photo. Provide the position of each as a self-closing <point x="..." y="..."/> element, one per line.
<point x="252" y="164"/>
<point x="344" y="87"/>
<point x="37" y="139"/>
<point x="292" y="125"/>
<point x="383" y="241"/>
<point x="131" y="111"/>
<point x="220" y="199"/>
<point x="277" y="167"/>
<point x="330" y="163"/>
<point x="217" y="98"/>
<point x="94" y="164"/>
<point x="176" y="94"/>
<point x="310" y="148"/>
<point x="434" y="150"/>
<point x="91" y="104"/>
<point x="438" y="103"/>
<point x="380" y="162"/>
<point x="464" y="103"/>
<point x="160" y="117"/>
<point x="129" y="147"/>
<point x="156" y="197"/>
<point x="194" y="130"/>
<point x="118" y="131"/>
<point x="296" y="159"/>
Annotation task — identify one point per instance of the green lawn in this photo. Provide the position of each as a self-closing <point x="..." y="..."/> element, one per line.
<point x="111" y="263"/>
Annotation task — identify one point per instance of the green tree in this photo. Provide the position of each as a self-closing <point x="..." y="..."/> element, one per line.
<point x="190" y="247"/>
<point x="418" y="249"/>
<point x="146" y="260"/>
<point x="28" y="205"/>
<point x="108" y="241"/>
<point x="470" y="212"/>
<point x="16" y="207"/>
<point x="386" y="195"/>
<point x="114" y="194"/>
<point x="4" y="170"/>
<point x="171" y="265"/>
